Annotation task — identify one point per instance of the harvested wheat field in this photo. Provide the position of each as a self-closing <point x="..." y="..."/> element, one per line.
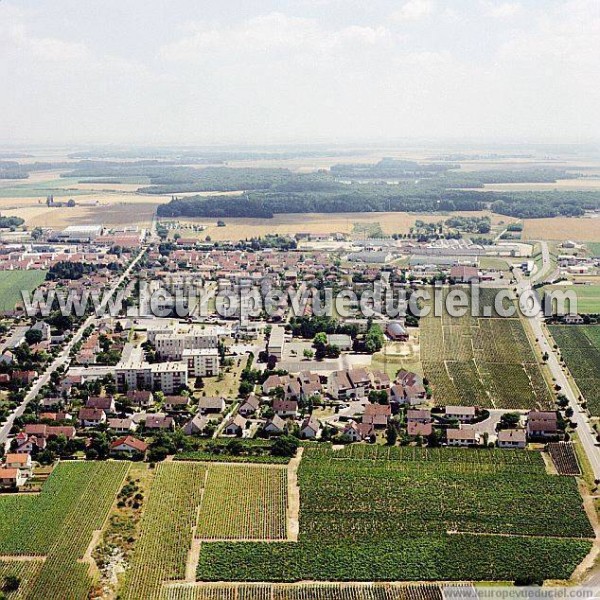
<point x="563" y="185"/>
<point x="108" y="209"/>
<point x="582" y="229"/>
<point x="109" y="215"/>
<point x="290" y="224"/>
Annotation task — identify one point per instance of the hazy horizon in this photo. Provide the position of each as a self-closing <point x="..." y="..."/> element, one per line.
<point x="331" y="72"/>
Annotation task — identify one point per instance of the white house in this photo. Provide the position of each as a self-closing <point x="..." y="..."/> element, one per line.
<point x="462" y="437"/>
<point x="276" y="425"/>
<point x="235" y="425"/>
<point x="12" y="478"/>
<point x="91" y="417"/>
<point x="512" y="438"/>
<point x="122" y="425"/>
<point x="128" y="445"/>
<point x="19" y="461"/>
<point x="249" y="406"/>
<point x="310" y="428"/>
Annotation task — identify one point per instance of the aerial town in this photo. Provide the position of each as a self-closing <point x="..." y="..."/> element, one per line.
<point x="299" y="300"/>
<point x="156" y="382"/>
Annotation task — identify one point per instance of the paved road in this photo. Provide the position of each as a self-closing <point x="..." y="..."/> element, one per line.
<point x="585" y="432"/>
<point x="63" y="358"/>
<point x="546" y="273"/>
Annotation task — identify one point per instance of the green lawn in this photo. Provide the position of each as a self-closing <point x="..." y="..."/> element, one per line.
<point x="593" y="248"/>
<point x="12" y="282"/>
<point x="588" y="296"/>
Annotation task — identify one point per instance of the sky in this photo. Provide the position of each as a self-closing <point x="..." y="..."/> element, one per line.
<point x="195" y="72"/>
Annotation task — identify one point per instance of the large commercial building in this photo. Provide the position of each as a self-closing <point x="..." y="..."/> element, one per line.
<point x="80" y="233"/>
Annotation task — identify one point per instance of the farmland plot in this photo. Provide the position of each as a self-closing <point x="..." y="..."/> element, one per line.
<point x="12" y="283"/>
<point x="166" y="529"/>
<point x="564" y="458"/>
<point x="306" y="591"/>
<point x="434" y="496"/>
<point x="372" y="513"/>
<point x="59" y="523"/>
<point x="481" y="360"/>
<point x="30" y="525"/>
<point x="580" y="349"/>
<point x="25" y="570"/>
<point x="435" y="558"/>
<point x="62" y="564"/>
<point x="244" y="502"/>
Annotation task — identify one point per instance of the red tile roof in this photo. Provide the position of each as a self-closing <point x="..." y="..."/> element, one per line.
<point x="130" y="441"/>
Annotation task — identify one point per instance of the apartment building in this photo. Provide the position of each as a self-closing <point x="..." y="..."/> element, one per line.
<point x="202" y="362"/>
<point x="167" y="377"/>
<point x="171" y="342"/>
<point x="276" y="341"/>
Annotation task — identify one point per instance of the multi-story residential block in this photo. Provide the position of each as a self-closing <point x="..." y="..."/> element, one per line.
<point x="167" y="377"/>
<point x="202" y="362"/>
<point x="170" y="343"/>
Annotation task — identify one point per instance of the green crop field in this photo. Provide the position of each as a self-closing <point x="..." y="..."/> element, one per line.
<point x="580" y="348"/>
<point x="203" y="456"/>
<point x="166" y="529"/>
<point x="593" y="248"/>
<point x="64" y="186"/>
<point x="588" y="297"/>
<point x="402" y="514"/>
<point x="25" y="570"/>
<point x="13" y="282"/>
<point x="485" y="361"/>
<point x="244" y="502"/>
<point x="58" y="524"/>
<point x="307" y="591"/>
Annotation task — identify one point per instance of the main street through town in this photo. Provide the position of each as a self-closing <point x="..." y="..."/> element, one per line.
<point x="585" y="432"/>
<point x="63" y="358"/>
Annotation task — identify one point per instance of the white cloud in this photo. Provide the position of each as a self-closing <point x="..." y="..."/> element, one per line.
<point x="15" y="38"/>
<point x="56" y="50"/>
<point x="505" y="10"/>
<point x="565" y="40"/>
<point x="413" y="10"/>
<point x="332" y="72"/>
<point x="271" y="33"/>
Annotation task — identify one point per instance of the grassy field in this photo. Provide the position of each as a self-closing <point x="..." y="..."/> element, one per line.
<point x="580" y="348"/>
<point x="489" y="262"/>
<point x="588" y="296"/>
<point x="593" y="248"/>
<point x="396" y="356"/>
<point x="446" y="507"/>
<point x="13" y="282"/>
<point x="483" y="361"/>
<point x="230" y="381"/>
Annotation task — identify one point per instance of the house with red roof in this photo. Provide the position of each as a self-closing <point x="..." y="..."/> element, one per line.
<point x="128" y="445"/>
